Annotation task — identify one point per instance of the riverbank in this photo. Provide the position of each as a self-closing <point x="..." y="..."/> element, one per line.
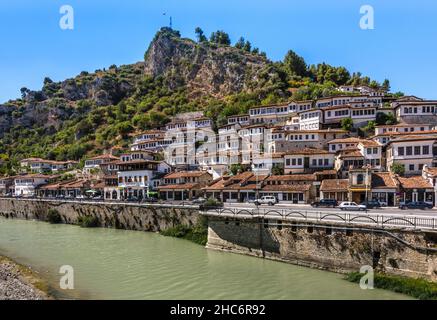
<point x="416" y="288"/>
<point x="18" y="282"/>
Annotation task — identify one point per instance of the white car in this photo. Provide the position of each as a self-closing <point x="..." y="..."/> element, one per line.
<point x="352" y="206"/>
<point x="270" y="200"/>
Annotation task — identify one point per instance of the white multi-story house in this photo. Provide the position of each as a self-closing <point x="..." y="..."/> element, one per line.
<point x="402" y="128"/>
<point x="26" y="186"/>
<point x="93" y="164"/>
<point x="310" y="119"/>
<point x="416" y="111"/>
<point x="136" y="171"/>
<point x="308" y="160"/>
<point x="299" y="106"/>
<point x="269" y="114"/>
<point x="38" y="165"/>
<point x="372" y="153"/>
<point x="242" y="120"/>
<point x="411" y="151"/>
<point x="151" y="140"/>
<point x="344" y="143"/>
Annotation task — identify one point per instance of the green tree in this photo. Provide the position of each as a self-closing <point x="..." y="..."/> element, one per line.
<point x="398" y="168"/>
<point x="200" y="35"/>
<point x="220" y="37"/>
<point x="347" y="124"/>
<point x="386" y="85"/>
<point x="240" y="43"/>
<point x="247" y="46"/>
<point x="277" y="170"/>
<point x="294" y="64"/>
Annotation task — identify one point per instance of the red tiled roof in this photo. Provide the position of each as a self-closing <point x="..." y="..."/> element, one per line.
<point x="287" y="187"/>
<point x="332" y="185"/>
<point x="292" y="177"/>
<point x="184" y="186"/>
<point x="381" y="180"/>
<point x="186" y="174"/>
<point x="415" y="182"/>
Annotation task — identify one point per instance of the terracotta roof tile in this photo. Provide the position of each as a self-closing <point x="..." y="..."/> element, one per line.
<point x="382" y="180"/>
<point x="414" y="182"/>
<point x="332" y="185"/>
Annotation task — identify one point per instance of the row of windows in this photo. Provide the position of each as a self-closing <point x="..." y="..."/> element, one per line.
<point x="301" y="137"/>
<point x="310" y="115"/>
<point x="372" y="151"/>
<point x="299" y="162"/>
<point x="365" y="112"/>
<point x="417" y="150"/>
<point x="425" y="109"/>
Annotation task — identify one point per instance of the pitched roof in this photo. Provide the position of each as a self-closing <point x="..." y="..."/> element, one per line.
<point x="414" y="182"/>
<point x="287" y="187"/>
<point x="186" y="174"/>
<point x="332" y="185"/>
<point x="347" y="140"/>
<point x="183" y="186"/>
<point x="308" y="151"/>
<point x="292" y="177"/>
<point x="381" y="180"/>
<point x="104" y="156"/>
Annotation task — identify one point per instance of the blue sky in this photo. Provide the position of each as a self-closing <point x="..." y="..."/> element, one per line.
<point x="402" y="47"/>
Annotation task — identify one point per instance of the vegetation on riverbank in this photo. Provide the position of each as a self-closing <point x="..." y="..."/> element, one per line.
<point x="417" y="288"/>
<point x="197" y="234"/>
<point x="53" y="216"/>
<point x="88" y="222"/>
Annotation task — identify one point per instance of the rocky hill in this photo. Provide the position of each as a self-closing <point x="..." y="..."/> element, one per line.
<point x="87" y="114"/>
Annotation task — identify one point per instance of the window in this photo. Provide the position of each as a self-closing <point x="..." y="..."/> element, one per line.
<point x="409" y="151"/>
<point x="293" y="162"/>
<point x="287" y="162"/>
<point x="425" y="150"/>
<point x="417" y="150"/>
<point x="299" y="161"/>
<point x="401" y="151"/>
<point x="411" y="167"/>
<point x="369" y="150"/>
<point x="375" y="150"/>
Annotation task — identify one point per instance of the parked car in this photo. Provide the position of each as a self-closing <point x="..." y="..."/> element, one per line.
<point x="199" y="200"/>
<point x="98" y="198"/>
<point x="150" y="200"/>
<point x="371" y="204"/>
<point x="80" y="197"/>
<point x="416" y="205"/>
<point x="352" y="206"/>
<point x="133" y="199"/>
<point x="270" y="200"/>
<point x="325" y="203"/>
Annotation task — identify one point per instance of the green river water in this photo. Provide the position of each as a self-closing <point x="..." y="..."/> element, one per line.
<point x="117" y="264"/>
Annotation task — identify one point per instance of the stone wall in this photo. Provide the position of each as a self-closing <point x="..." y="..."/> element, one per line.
<point x="122" y="216"/>
<point x="329" y="248"/>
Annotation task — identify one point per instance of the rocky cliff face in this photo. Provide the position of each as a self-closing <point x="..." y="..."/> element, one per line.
<point x="205" y="68"/>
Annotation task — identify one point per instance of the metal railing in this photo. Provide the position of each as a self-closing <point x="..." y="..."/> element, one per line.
<point x="375" y="220"/>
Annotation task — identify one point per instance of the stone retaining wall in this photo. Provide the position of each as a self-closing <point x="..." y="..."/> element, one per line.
<point x="327" y="247"/>
<point x="122" y="216"/>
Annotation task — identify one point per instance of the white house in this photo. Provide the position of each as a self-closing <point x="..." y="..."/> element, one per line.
<point x="411" y="151"/>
